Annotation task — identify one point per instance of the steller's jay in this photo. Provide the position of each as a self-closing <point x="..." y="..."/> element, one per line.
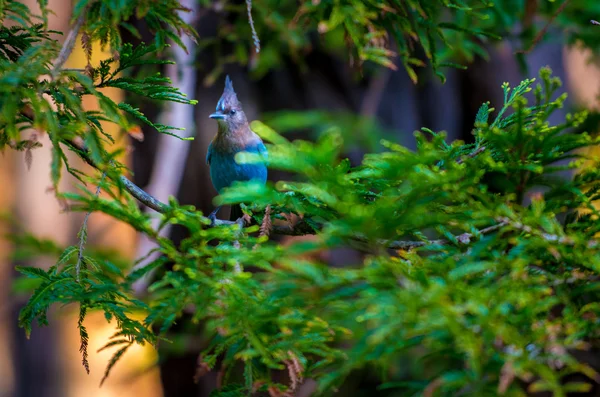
<point x="233" y="136"/>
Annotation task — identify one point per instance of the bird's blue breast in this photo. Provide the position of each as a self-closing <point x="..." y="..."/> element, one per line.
<point x="224" y="170"/>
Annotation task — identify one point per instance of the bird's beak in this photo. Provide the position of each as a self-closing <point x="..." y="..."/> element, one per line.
<point x="217" y="115"/>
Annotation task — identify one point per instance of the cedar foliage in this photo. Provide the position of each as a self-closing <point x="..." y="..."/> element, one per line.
<point x="468" y="283"/>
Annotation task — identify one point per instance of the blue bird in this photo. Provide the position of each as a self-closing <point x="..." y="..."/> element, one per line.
<point x="233" y="136"/>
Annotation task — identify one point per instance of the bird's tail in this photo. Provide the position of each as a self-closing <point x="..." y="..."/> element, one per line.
<point x="236" y="212"/>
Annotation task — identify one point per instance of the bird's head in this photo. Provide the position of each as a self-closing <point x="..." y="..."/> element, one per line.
<point x="229" y="113"/>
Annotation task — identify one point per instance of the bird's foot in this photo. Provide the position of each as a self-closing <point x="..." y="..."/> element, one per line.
<point x="213" y="217"/>
<point x="241" y="222"/>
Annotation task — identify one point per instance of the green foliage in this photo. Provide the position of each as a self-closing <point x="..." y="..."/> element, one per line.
<point x="465" y="308"/>
<point x="106" y="17"/>
<point x="467" y="281"/>
<point x="408" y="34"/>
<point x="24" y="96"/>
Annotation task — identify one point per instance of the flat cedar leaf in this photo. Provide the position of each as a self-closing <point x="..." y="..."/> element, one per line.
<point x="142" y="271"/>
<point x="167" y="323"/>
<point x="482" y="114"/>
<point x="114" y="359"/>
<point x="66" y="255"/>
<point x="113" y="343"/>
<point x="84" y="338"/>
<point x="57" y="158"/>
<point x="34" y="272"/>
<point x="39" y="302"/>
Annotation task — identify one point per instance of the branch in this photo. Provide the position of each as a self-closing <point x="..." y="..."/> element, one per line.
<point x="133" y="189"/>
<point x="464" y="239"/>
<point x="553" y="238"/>
<point x="69" y="43"/>
<point x="143" y="197"/>
<point x="471" y="155"/>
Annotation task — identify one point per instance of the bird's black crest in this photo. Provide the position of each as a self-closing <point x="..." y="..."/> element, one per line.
<point x="229" y="97"/>
<point x="228" y="84"/>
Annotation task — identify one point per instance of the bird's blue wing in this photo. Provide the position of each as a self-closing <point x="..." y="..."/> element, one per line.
<point x="257" y="170"/>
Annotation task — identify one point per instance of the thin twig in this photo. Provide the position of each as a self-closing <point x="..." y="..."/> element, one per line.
<point x="69" y="43"/>
<point x="464" y="239"/>
<point x="542" y="32"/>
<point x="553" y="238"/>
<point x="254" y="34"/>
<point x="143" y="197"/>
<point x="471" y="155"/>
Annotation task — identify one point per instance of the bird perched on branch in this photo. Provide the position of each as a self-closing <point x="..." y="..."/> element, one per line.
<point x="233" y="136"/>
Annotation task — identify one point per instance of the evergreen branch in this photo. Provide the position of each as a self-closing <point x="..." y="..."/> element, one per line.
<point x="84" y="337"/>
<point x="301" y="228"/>
<point x="69" y="43"/>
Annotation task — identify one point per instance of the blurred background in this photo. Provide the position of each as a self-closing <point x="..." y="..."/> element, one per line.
<point x="48" y="364"/>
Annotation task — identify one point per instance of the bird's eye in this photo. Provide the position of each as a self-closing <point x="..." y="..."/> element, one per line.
<point x="232" y="111"/>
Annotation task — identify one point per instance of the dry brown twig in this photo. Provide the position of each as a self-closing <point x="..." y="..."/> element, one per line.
<point x="266" y="226"/>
